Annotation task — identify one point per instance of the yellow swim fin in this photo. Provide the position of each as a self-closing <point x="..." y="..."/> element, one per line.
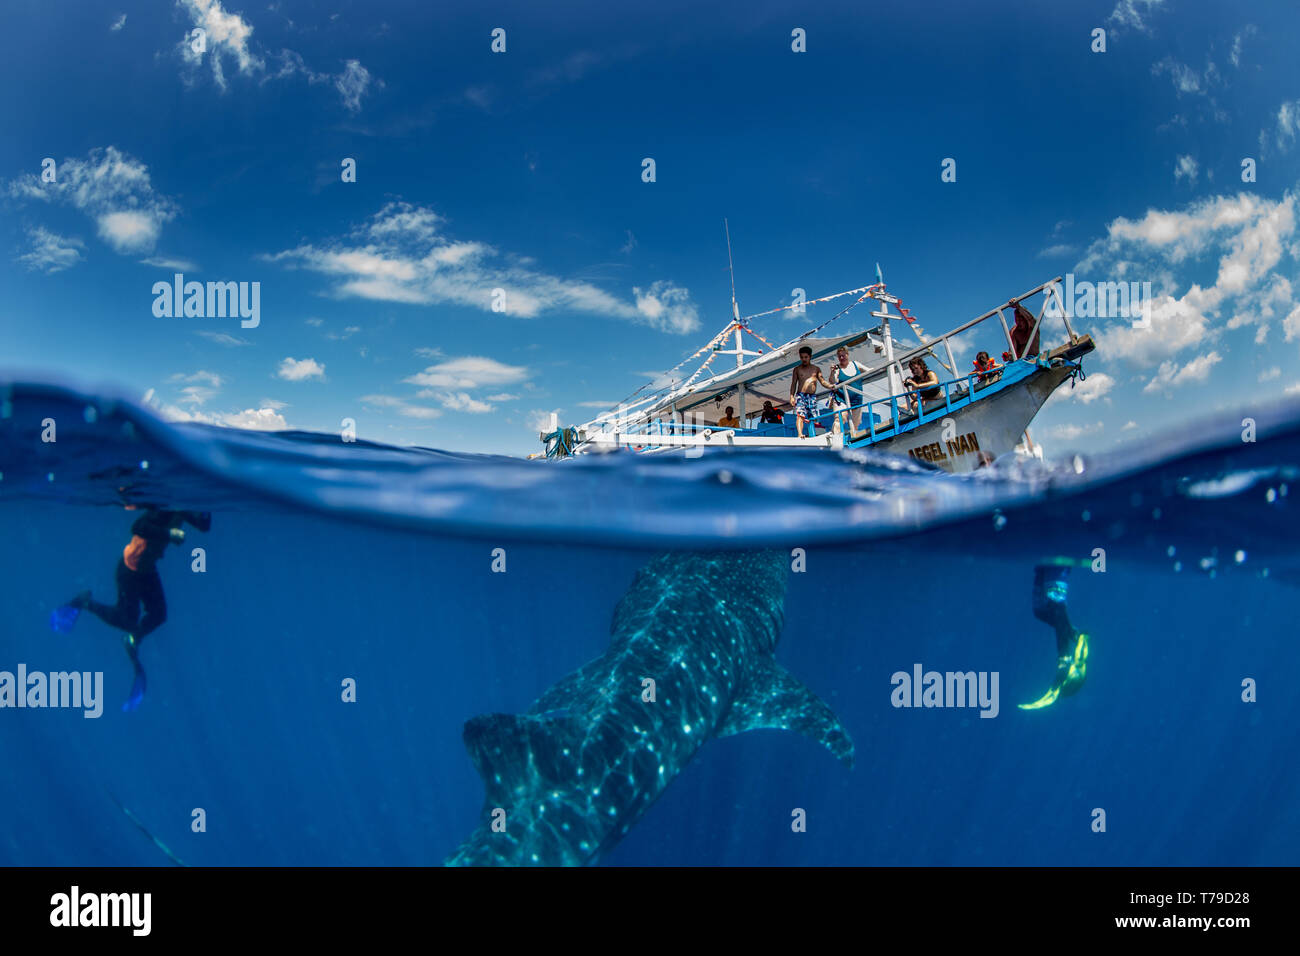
<point x="1071" y="672"/>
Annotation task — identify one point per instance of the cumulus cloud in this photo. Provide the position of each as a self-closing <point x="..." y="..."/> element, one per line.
<point x="187" y="408"/>
<point x="1186" y="168"/>
<point x="1096" y="385"/>
<point x="402" y="255"/>
<point x="117" y="24"/>
<point x="110" y="187"/>
<point x="298" y="370"/>
<point x="1250" y="236"/>
<point x="49" y="252"/>
<point x="1171" y="375"/>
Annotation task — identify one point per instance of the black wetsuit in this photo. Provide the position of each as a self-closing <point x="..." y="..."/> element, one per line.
<point x="141" y="586"/>
<point x="1051" y="588"/>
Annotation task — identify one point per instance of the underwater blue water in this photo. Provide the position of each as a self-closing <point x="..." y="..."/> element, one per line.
<point x="329" y="560"/>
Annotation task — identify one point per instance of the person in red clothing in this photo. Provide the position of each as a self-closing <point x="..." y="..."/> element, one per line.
<point x="1020" y="335"/>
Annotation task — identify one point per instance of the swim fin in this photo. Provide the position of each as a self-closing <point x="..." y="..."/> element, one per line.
<point x="62" y="618"/>
<point x="1071" y="672"/>
<point x="138" y="684"/>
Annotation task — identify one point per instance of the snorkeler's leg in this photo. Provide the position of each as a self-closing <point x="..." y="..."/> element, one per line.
<point x="126" y="613"/>
<point x="1051" y="590"/>
<point x="155" y="605"/>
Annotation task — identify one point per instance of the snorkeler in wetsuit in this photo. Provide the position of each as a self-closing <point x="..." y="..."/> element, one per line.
<point x="1051" y="588"/>
<point x="138" y="584"/>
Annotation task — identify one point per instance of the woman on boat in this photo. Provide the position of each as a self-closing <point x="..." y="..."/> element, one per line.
<point x="845" y="369"/>
<point x="923" y="380"/>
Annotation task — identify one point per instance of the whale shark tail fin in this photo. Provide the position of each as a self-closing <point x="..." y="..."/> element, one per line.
<point x="775" y="699"/>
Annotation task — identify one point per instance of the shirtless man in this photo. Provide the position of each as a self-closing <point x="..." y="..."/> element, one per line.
<point x="803" y="391"/>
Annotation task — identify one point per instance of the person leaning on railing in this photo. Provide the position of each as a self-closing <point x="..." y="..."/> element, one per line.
<point x="924" y="382"/>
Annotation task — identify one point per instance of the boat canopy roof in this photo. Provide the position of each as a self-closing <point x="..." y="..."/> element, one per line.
<point x="766" y="378"/>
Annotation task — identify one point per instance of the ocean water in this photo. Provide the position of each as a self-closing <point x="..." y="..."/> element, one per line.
<point x="330" y="560"/>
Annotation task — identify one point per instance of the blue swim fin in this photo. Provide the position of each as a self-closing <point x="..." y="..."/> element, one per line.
<point x="137" y="685"/>
<point x="62" y="618"/>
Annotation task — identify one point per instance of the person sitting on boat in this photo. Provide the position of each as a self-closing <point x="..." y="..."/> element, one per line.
<point x="845" y="369"/>
<point x="923" y="380"/>
<point x="770" y="415"/>
<point x="729" y="420"/>
<point x="803" y="391"/>
<point x="990" y="371"/>
<point x="1020" y="340"/>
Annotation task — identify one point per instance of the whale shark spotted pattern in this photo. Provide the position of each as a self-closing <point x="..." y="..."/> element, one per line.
<point x="581" y="766"/>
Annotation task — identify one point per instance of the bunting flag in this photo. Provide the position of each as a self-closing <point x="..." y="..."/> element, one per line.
<point x="807" y="302"/>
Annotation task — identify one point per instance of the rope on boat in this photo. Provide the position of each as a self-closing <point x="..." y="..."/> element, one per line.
<point x="560" y="443"/>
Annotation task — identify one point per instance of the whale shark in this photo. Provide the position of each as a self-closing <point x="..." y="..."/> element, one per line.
<point x="690" y="658"/>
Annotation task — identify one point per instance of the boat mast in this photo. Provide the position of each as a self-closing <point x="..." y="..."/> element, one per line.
<point x="737" y="325"/>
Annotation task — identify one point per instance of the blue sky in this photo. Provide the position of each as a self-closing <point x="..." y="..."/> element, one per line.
<point x="522" y="170"/>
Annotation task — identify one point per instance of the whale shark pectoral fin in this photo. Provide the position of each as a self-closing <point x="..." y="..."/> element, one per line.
<point x="510" y="749"/>
<point x="776" y="699"/>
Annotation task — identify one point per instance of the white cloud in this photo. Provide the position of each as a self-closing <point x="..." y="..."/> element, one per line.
<point x="297" y="370"/>
<point x="1249" y="235"/>
<point x="352" y="84"/>
<point x="51" y="252"/>
<point x="111" y="188"/>
<point x="1131" y="13"/>
<point x="539" y="420"/>
<point x="222" y="338"/>
<point x="1293" y="389"/>
<point x="117" y="24"/>
<point x="1185" y="168"/>
<point x="1070" y="432"/>
<point x="1129" y="426"/>
<point x="1170" y="375"/>
<point x="401" y="406"/>
<point x="1287" y="124"/>
<point x="226" y="36"/>
<point x="1057" y="251"/>
<point x="1095" y="386"/>
<point x="229" y="38"/>
<point x="1270" y="373"/>
<point x="472" y="371"/>
<point x="265" y="418"/>
<point x="400" y="255"/>
<point x="1235" y="56"/>
<point x="1185" y="79"/>
<point x="202" y="375"/>
<point x="175" y="265"/>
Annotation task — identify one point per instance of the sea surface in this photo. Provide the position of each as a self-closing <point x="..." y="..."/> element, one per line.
<point x="447" y="585"/>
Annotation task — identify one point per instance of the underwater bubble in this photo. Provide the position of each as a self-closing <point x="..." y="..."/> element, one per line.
<point x="49" y="476"/>
<point x="725" y="477"/>
<point x="1239" y="557"/>
<point x="1155" y="513"/>
<point x="1178" y="565"/>
<point x="1086" y="516"/>
<point x="999" y="521"/>
<point x="91" y="414"/>
<point x="1077" y="463"/>
<point x="1207" y="563"/>
<point x="1271" y="495"/>
<point x="1171" y="551"/>
<point x="144" y="465"/>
